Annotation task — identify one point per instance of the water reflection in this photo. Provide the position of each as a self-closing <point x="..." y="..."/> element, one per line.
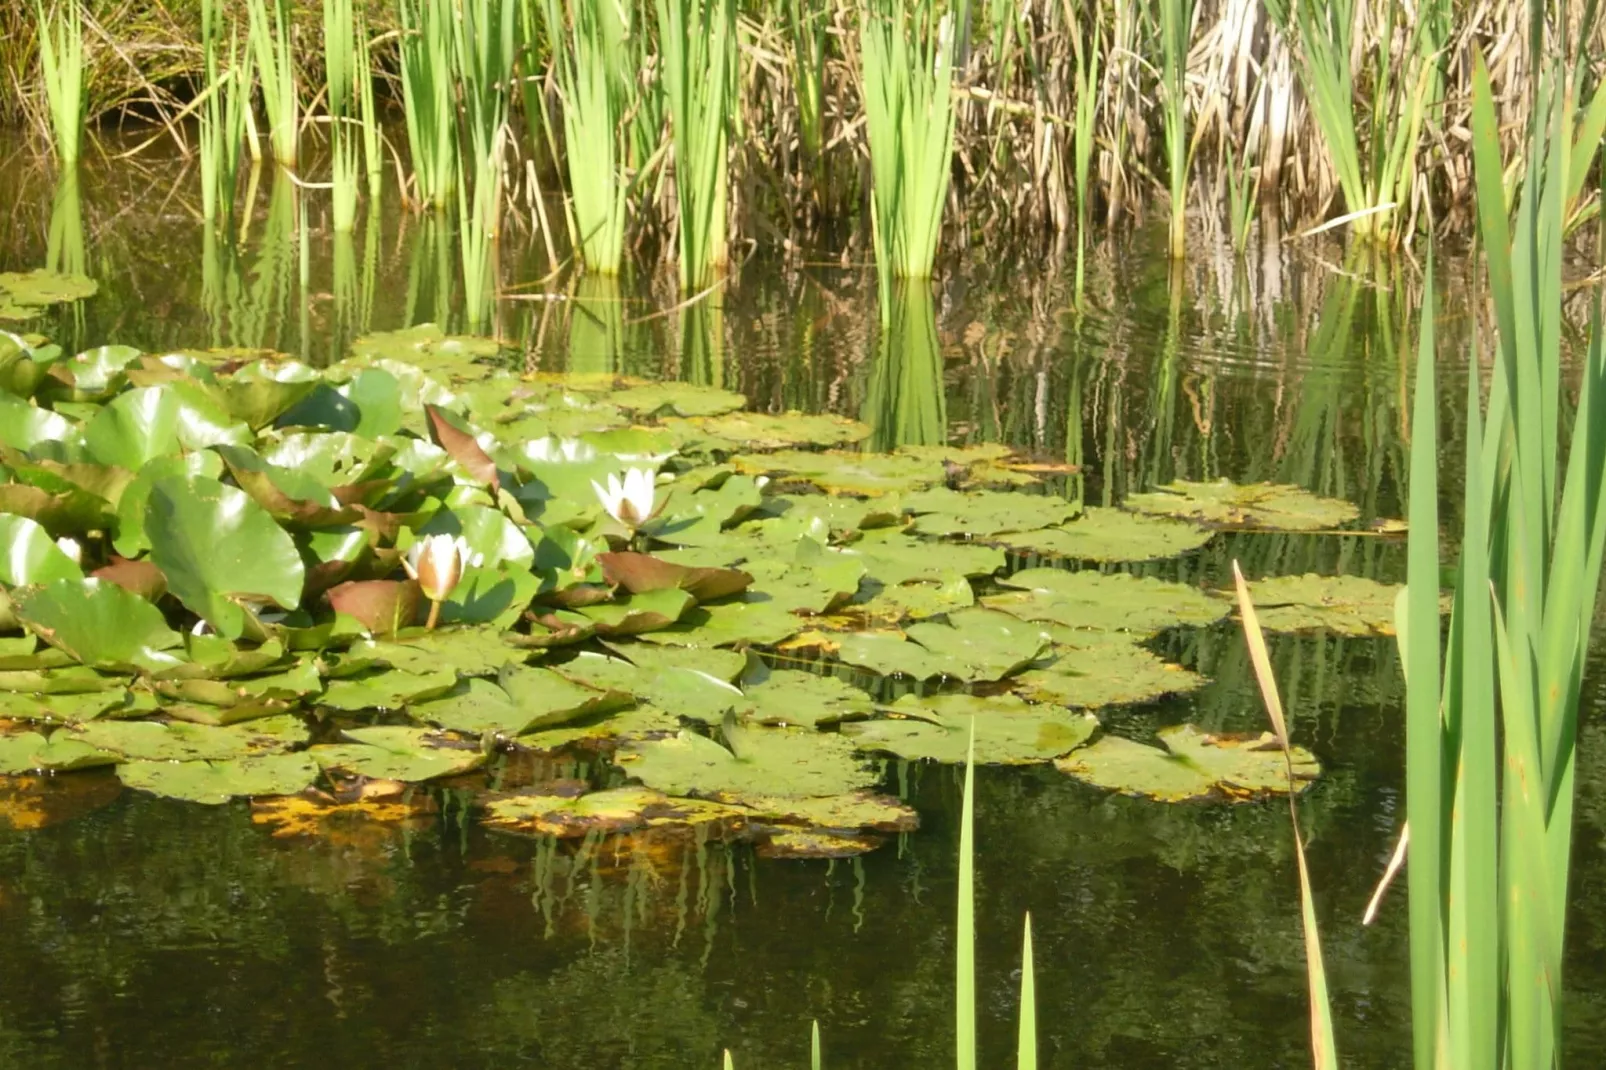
<point x="905" y="402"/>
<point x="596" y="326"/>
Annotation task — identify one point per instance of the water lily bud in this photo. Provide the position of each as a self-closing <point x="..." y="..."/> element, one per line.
<point x="72" y="549"/>
<point x="630" y="501"/>
<point x="437" y="562"/>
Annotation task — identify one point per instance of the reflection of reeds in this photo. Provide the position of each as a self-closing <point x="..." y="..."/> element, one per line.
<point x="61" y="63"/>
<point x="906" y="402"/>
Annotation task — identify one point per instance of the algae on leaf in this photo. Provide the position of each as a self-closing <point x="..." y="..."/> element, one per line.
<point x="1273" y="506"/>
<point x="1191" y="765"/>
<point x="614" y="810"/>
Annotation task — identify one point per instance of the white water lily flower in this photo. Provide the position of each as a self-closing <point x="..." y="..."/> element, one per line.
<point x="437" y="563"/>
<point x="554" y="450"/>
<point x="630" y="501"/>
<point x="71" y="548"/>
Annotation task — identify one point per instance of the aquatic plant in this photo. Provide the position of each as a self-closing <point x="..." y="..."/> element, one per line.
<point x="61" y="63"/>
<point x="907" y="51"/>
<point x="344" y="65"/>
<point x="1176" y="22"/>
<point x="272" y="43"/>
<point x="697" y="49"/>
<point x="223" y="115"/>
<point x="426" y="59"/>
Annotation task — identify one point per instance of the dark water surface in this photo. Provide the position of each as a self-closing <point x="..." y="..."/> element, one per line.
<point x="136" y="932"/>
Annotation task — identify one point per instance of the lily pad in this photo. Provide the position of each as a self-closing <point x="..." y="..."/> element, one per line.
<point x="386" y="689"/>
<point x="973" y="645"/>
<point x="99" y="624"/>
<point x="692" y="683"/>
<point x="982" y="513"/>
<point x="757" y="760"/>
<point x="893" y="557"/>
<point x="1097" y="669"/>
<point x="181" y="741"/>
<point x="26" y="752"/>
<point x="614" y="810"/>
<point x="843" y="472"/>
<point x="639" y="721"/>
<point x="31" y="556"/>
<point x="1099" y="601"/>
<point x="682" y="399"/>
<point x="39" y="287"/>
<point x="1110" y="535"/>
<point x="393" y="752"/>
<point x="756" y="430"/>
<point x="787" y="696"/>
<point x="1347" y="605"/>
<point x="524" y="700"/>
<point x="1190" y="765"/>
<point x="751" y="620"/>
<point x="1271" y="506"/>
<point x="1007" y="730"/>
<point x="218" y="782"/>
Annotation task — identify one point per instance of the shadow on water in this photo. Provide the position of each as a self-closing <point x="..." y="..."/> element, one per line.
<point x="140" y="932"/>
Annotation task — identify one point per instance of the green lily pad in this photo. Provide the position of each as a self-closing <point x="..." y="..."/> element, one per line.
<point x="812" y="580"/>
<point x="893" y="557"/>
<point x="917" y="600"/>
<point x="647" y="612"/>
<point x="614" y="810"/>
<point x="138" y="426"/>
<point x="1272" y="506"/>
<point x="75" y="707"/>
<point x="180" y="741"/>
<point x="1097" y="669"/>
<point x="763" y="431"/>
<point x="973" y="645"/>
<point x="468" y="651"/>
<point x="523" y="700"/>
<point x="262" y="391"/>
<point x="217" y="548"/>
<point x="750" y="620"/>
<point x="1007" y="730"/>
<point x="640" y="721"/>
<point x="1347" y="605"/>
<point x="682" y="399"/>
<point x="842" y="472"/>
<point x="218" y="782"/>
<point x="641" y="573"/>
<point x="39" y="287"/>
<point x="24" y="426"/>
<point x="1107" y="601"/>
<point x="27" y="752"/>
<point x="686" y="682"/>
<point x="386" y="689"/>
<point x="393" y="752"/>
<point x="981" y="513"/>
<point x="99" y="624"/>
<point x="758" y="761"/>
<point x="790" y="697"/>
<point x="31" y="555"/>
<point x="1110" y="535"/>
<point x="1191" y="764"/>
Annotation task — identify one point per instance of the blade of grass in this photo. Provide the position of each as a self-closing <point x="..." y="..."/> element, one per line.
<point x="965" y="938"/>
<point x="1026" y="1041"/>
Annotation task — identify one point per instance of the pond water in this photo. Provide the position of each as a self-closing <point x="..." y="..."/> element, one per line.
<point x="141" y="932"/>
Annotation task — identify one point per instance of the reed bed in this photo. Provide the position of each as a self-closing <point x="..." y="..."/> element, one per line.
<point x="866" y="118"/>
<point x="61" y="63"/>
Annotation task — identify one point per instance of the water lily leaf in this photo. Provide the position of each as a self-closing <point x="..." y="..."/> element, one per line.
<point x="763" y="431"/>
<point x="895" y="558"/>
<point x="790" y="697"/>
<point x="383" y="606"/>
<point x="522" y="700"/>
<point x="64" y="511"/>
<point x="1191" y="764"/>
<point x="764" y="761"/>
<point x="943" y="512"/>
<point x="98" y="623"/>
<point x="459" y="444"/>
<point x="137" y="577"/>
<point x="1098" y="669"/>
<point x="917" y="600"/>
<point x="615" y="810"/>
<point x="1347" y="605"/>
<point x="640" y="721"/>
<point x="141" y="425"/>
<point x="24" y="426"/>
<point x="682" y="399"/>
<point x="216" y="547"/>
<point x="639" y="613"/>
<point x="386" y="689"/>
<point x="1273" y="506"/>
<point x="392" y="752"/>
<point x="262" y="391"/>
<point x="1107" y="602"/>
<point x="26" y="752"/>
<point x="179" y="741"/>
<point x="814" y="580"/>
<point x="426" y="345"/>
<point x="686" y="682"/>
<point x="73" y="680"/>
<point x="640" y="573"/>
<point x="218" y="782"/>
<point x="841" y="472"/>
<point x="488" y="532"/>
<point x="289" y="496"/>
<point x="825" y="517"/>
<point x="73" y="708"/>
<point x="858" y="811"/>
<point x="39" y="288"/>
<point x="974" y="645"/>
<point x="695" y="516"/>
<point x="497" y="597"/>
<point x="751" y="620"/>
<point x="1007" y="730"/>
<point x="30" y="555"/>
<point x="476" y="651"/>
<point x="1109" y="535"/>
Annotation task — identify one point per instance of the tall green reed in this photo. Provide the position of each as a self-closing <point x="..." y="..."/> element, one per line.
<point x="697" y="52"/>
<point x="592" y="43"/>
<point x="341" y="46"/>
<point x="1086" y="77"/>
<point x="61" y="62"/>
<point x="805" y="31"/>
<point x="485" y="44"/>
<point x="223" y="114"/>
<point x="275" y="59"/>
<point x="1176" y="22"/>
<point x="428" y="98"/>
<point x="907" y="52"/>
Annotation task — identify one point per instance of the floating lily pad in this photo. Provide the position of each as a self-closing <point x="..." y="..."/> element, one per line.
<point x="386" y="689"/>
<point x="1097" y="669"/>
<point x="786" y="696"/>
<point x="394" y="752"/>
<point x="917" y="600"/>
<point x="1007" y="730"/>
<point x="692" y="683"/>
<point x="524" y="700"/>
<point x="1273" y="506"/>
<point x="39" y="287"/>
<point x="99" y="624"/>
<point x="1109" y="535"/>
<point x="218" y="782"/>
<point x="756" y="430"/>
<point x="893" y="557"/>
<point x="31" y="555"/>
<point x="181" y="741"/>
<point x="26" y="752"/>
<point x="638" y="613"/>
<point x="1347" y="605"/>
<point x="467" y="651"/>
<point x="973" y="645"/>
<point x="639" y="721"/>
<point x="983" y="513"/>
<point x="682" y="399"/>
<point x="74" y="708"/>
<point x="843" y="472"/>
<point x="615" y="810"/>
<point x="1107" y="601"/>
<point x="755" y="760"/>
<point x="751" y="620"/>
<point x="1191" y="764"/>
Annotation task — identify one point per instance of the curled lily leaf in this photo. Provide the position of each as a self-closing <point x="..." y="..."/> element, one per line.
<point x="629" y="501"/>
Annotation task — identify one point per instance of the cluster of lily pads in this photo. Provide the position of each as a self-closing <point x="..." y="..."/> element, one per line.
<point x="229" y="574"/>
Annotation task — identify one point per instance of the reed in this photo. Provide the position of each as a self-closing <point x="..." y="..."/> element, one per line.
<point x="1176" y="22"/>
<point x="368" y="114"/>
<point x="1243" y="199"/>
<point x="591" y="46"/>
<point x="223" y="113"/>
<point x="342" y="49"/>
<point x="1086" y="77"/>
<point x="907" y="51"/>
<point x="806" y="36"/>
<point x="485" y="44"/>
<point x="61" y="63"/>
<point x="697" y="52"/>
<point x="426" y="60"/>
<point x="273" y="45"/>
